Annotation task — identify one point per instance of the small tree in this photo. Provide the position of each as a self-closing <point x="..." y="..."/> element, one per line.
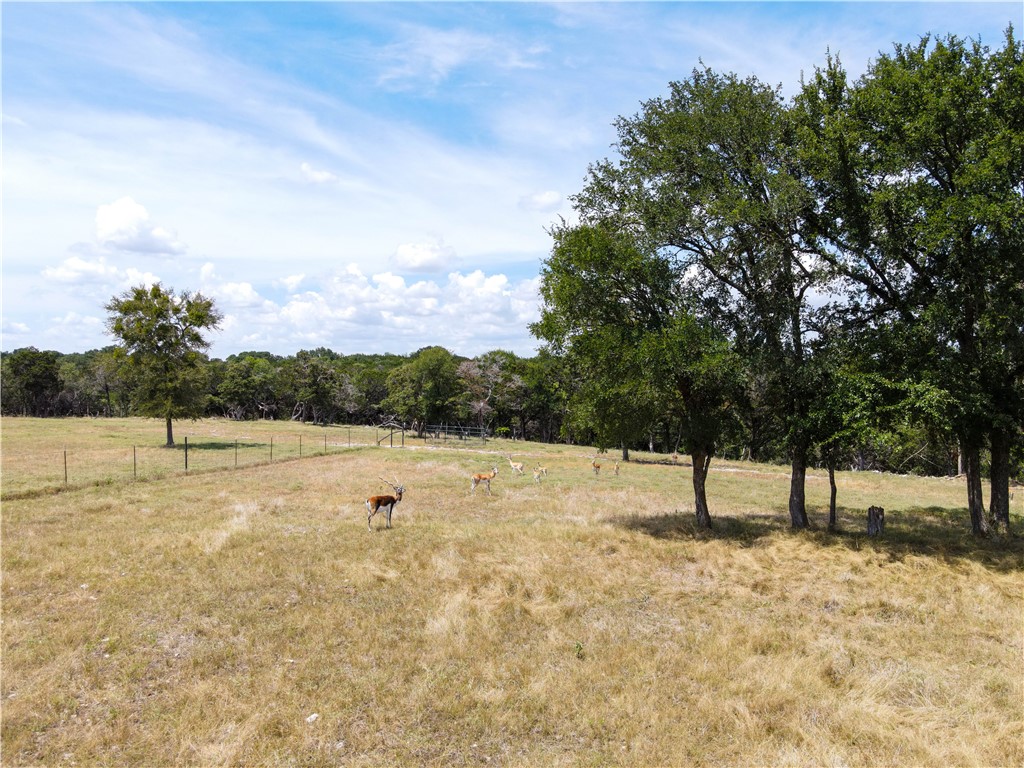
<point x="162" y="335"/>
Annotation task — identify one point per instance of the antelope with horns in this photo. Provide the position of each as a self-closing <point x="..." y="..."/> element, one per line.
<point x="538" y="472"/>
<point x="485" y="478"/>
<point x="517" y="467"/>
<point x="595" y="466"/>
<point x="387" y="503"/>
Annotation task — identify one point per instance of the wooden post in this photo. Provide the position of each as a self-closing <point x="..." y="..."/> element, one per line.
<point x="186" y="453"/>
<point x="876" y="521"/>
<point x="236" y="454"/>
<point x="135" y="465"/>
<point x="65" y="467"/>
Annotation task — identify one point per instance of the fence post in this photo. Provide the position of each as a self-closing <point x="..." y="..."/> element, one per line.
<point x="186" y="453"/>
<point x="65" y="467"/>
<point x="135" y="465"/>
<point x="236" y="453"/>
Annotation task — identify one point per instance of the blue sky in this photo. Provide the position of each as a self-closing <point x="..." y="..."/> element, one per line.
<point x="369" y="177"/>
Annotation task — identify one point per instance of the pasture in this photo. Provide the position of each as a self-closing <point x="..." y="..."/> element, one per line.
<point x="246" y="616"/>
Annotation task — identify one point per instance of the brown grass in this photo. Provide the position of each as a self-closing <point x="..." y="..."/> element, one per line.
<point x="204" y="620"/>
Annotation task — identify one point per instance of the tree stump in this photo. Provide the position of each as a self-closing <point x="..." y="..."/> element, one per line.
<point x="876" y="521"/>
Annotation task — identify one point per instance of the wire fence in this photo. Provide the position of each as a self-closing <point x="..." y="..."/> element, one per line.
<point x="27" y="472"/>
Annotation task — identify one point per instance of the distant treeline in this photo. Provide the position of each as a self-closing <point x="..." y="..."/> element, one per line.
<point x="508" y="395"/>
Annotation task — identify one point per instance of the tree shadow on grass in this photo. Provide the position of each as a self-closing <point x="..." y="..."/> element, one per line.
<point x="916" y="531"/>
<point x="221" y="445"/>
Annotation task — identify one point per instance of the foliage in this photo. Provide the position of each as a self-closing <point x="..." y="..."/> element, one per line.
<point x="162" y="336"/>
<point x="31" y="381"/>
<point x="425" y="390"/>
<point x="918" y="167"/>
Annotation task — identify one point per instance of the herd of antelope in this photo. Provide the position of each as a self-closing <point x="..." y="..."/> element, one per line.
<point x="386" y="503"/>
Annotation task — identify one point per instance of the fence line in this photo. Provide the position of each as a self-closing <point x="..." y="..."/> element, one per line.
<point x="28" y="472"/>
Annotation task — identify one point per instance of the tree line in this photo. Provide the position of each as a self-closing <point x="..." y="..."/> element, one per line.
<point x="501" y="392"/>
<point x="835" y="279"/>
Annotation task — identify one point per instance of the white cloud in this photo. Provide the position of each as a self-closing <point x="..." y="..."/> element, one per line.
<point x="546" y="202"/>
<point x="429" y="256"/>
<point x="314" y="176"/>
<point x="12" y="327"/>
<point x="291" y="283"/>
<point x="125" y="226"/>
<point x="76" y="270"/>
<point x="434" y="54"/>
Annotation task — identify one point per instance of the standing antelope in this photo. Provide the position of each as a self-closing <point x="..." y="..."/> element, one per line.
<point x="595" y="465"/>
<point x="616" y="468"/>
<point x="375" y="504"/>
<point x="538" y="471"/>
<point x="516" y="466"/>
<point x="484" y="477"/>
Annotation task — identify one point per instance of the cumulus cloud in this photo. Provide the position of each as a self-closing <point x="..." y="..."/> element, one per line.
<point x="350" y="311"/>
<point x="97" y="276"/>
<point x="291" y="283"/>
<point x="545" y="202"/>
<point x="315" y="176"/>
<point x="76" y="270"/>
<point x="13" y="327"/>
<point x="125" y="226"/>
<point x="430" y="256"/>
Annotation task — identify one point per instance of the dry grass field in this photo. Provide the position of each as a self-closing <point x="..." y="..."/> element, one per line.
<point x="247" y="617"/>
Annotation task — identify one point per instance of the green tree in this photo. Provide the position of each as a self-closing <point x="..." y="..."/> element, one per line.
<point x="616" y="312"/>
<point x="162" y="336"/>
<point x="700" y="378"/>
<point x="426" y="390"/>
<point x="601" y="295"/>
<point x="249" y="387"/>
<point x="918" y="168"/>
<point x="710" y="175"/>
<point x="318" y="386"/>
<point x="31" y="382"/>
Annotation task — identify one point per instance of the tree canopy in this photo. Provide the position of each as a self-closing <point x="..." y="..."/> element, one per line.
<point x="161" y="335"/>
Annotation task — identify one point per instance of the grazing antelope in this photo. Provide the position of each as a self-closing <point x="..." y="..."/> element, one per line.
<point x="516" y="466"/>
<point x="375" y="504"/>
<point x="485" y="478"/>
<point x="595" y="465"/>
<point x="538" y="471"/>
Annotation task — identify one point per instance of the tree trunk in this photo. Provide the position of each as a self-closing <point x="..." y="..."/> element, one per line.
<point x="975" y="500"/>
<point x="876" y="521"/>
<point x="170" y="434"/>
<point x="999" y="495"/>
<point x="833" y="525"/>
<point x="625" y="453"/>
<point x="797" y="502"/>
<point x="701" y="463"/>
